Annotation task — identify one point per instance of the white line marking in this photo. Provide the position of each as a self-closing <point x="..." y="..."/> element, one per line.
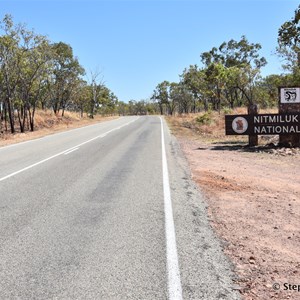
<point x="58" y="133"/>
<point x="70" y="151"/>
<point x="174" y="284"/>
<point x="65" y="151"/>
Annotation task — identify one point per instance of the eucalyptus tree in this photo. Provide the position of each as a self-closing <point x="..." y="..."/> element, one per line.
<point x="157" y="101"/>
<point x="216" y="77"/>
<point x="289" y="39"/>
<point x="163" y="95"/>
<point x="194" y="79"/>
<point x="9" y="48"/>
<point x="107" y="101"/>
<point x="65" y="74"/>
<point x="235" y="53"/>
<point x="35" y="62"/>
<point x="81" y="97"/>
<point x="182" y="98"/>
<point x="122" y="108"/>
<point x="245" y="62"/>
<point x="96" y="84"/>
<point x="289" y="47"/>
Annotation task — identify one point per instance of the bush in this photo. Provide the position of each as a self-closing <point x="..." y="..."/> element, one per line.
<point x="227" y="111"/>
<point x="205" y="119"/>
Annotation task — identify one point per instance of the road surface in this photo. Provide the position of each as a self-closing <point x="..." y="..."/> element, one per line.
<point x="107" y="211"/>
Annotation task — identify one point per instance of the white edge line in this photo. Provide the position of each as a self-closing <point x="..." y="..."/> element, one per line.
<point x="65" y="151"/>
<point x="70" y="151"/>
<point x="174" y="283"/>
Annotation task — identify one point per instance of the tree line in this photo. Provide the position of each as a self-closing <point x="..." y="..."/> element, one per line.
<point x="37" y="73"/>
<point x="230" y="76"/>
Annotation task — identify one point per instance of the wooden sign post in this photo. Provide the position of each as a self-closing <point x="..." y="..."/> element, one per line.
<point x="253" y="139"/>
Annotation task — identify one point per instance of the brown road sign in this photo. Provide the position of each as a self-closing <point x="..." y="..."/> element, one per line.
<point x="264" y="124"/>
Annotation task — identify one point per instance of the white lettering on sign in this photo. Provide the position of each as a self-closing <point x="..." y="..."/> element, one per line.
<point x="277" y="119"/>
<point x="290" y="95"/>
<point x="276" y="129"/>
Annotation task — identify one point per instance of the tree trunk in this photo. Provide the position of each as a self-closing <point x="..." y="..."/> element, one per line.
<point x="11" y="116"/>
<point x="20" y="121"/>
<point x="31" y="118"/>
<point x="161" y="109"/>
<point x="205" y="105"/>
<point x="5" y="117"/>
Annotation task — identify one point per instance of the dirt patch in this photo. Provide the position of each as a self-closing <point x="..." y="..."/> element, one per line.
<point x="253" y="198"/>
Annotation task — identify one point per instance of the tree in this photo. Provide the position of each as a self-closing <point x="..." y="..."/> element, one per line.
<point x="34" y="56"/>
<point x="157" y="101"/>
<point x="107" y="101"/>
<point x="81" y="97"/>
<point x="235" y="53"/>
<point x="182" y="97"/>
<point x="35" y="73"/>
<point x="66" y="71"/>
<point x="289" y="36"/>
<point x="96" y="84"/>
<point x="267" y="88"/>
<point x="163" y="95"/>
<point x="216" y="81"/>
<point x="122" y="108"/>
<point x="194" y="79"/>
<point x="243" y="62"/>
<point x="8" y="63"/>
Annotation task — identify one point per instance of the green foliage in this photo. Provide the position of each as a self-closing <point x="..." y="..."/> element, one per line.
<point x="205" y="119"/>
<point x="230" y="76"/>
<point x="289" y="42"/>
<point x="37" y="73"/>
<point x="234" y="54"/>
<point x="227" y="111"/>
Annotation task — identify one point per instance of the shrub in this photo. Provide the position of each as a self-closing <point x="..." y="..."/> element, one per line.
<point x="227" y="111"/>
<point x="205" y="119"/>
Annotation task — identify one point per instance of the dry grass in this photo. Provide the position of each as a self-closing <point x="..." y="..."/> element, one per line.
<point x="209" y="126"/>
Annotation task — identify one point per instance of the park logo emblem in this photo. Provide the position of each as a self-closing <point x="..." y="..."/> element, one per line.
<point x="239" y="125"/>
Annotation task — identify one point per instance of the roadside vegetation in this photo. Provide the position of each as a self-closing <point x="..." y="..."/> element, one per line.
<point x="37" y="74"/>
<point x="229" y="76"/>
<point x="210" y="125"/>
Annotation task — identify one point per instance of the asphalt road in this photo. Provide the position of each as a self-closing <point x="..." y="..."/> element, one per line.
<point x="106" y="211"/>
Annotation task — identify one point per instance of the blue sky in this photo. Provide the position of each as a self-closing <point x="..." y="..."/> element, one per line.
<point x="137" y="44"/>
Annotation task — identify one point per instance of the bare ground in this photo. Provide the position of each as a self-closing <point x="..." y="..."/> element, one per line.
<point x="253" y="198"/>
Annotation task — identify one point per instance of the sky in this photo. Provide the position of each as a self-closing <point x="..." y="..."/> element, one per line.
<point x="139" y="43"/>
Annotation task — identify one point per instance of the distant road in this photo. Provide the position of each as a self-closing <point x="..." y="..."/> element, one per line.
<point x="107" y="211"/>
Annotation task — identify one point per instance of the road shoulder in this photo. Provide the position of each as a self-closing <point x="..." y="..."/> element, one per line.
<point x="206" y="273"/>
<point x="253" y="206"/>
